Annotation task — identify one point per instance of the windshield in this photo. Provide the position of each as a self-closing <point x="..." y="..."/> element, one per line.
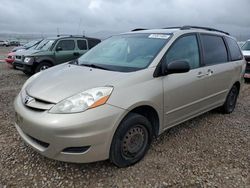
<point x="45" y="44"/>
<point x="31" y="43"/>
<point x="246" y="46"/>
<point x="125" y="53"/>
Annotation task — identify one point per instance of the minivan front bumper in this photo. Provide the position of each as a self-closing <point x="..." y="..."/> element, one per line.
<point x="80" y="137"/>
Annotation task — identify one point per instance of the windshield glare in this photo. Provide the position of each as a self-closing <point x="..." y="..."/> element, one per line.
<point x="45" y="44"/>
<point x="246" y="46"/>
<point x="127" y="52"/>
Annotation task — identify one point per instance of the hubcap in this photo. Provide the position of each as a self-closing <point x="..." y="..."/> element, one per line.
<point x="135" y="141"/>
<point x="44" y="67"/>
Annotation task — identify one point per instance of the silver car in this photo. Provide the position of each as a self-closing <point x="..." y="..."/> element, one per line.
<point x="130" y="88"/>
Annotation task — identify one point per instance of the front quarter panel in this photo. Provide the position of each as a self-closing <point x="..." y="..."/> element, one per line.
<point x="139" y="89"/>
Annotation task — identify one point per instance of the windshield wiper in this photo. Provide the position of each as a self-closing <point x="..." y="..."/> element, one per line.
<point x="92" y="65"/>
<point x="74" y="62"/>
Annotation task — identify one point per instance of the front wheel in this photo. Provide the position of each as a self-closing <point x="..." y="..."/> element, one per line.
<point x="131" y="140"/>
<point x="42" y="66"/>
<point x="231" y="100"/>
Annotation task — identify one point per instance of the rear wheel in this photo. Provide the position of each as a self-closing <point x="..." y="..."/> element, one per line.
<point x="131" y="140"/>
<point x="231" y="100"/>
<point x="42" y="66"/>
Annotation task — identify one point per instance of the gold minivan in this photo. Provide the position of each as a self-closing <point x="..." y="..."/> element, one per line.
<point x="112" y="101"/>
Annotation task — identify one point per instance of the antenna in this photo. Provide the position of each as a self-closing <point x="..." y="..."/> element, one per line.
<point x="58" y="31"/>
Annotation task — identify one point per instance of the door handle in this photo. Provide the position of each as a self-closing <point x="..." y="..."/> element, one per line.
<point x="200" y="75"/>
<point x="76" y="53"/>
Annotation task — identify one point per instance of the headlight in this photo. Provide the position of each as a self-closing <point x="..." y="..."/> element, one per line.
<point x="83" y="101"/>
<point x="27" y="59"/>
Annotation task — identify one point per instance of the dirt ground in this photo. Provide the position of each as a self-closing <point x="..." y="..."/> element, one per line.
<point x="212" y="150"/>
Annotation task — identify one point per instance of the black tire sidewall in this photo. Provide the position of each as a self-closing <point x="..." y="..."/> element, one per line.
<point x="38" y="67"/>
<point x="227" y="108"/>
<point x="129" y="121"/>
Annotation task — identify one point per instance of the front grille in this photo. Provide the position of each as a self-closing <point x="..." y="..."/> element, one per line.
<point x="41" y="143"/>
<point x="36" y="104"/>
<point x="18" y="57"/>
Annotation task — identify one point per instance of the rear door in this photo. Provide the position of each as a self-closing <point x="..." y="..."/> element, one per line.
<point x="218" y="71"/>
<point x="82" y="46"/>
<point x="65" y="50"/>
<point x="184" y="93"/>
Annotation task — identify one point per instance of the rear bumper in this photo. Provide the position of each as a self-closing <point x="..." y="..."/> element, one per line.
<point x="247" y="71"/>
<point x="247" y="75"/>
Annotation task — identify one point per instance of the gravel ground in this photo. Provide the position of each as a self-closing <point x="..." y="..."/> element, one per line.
<point x="212" y="150"/>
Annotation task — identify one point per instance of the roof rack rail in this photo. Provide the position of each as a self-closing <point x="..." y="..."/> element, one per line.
<point x="139" y="29"/>
<point x="65" y="35"/>
<point x="204" y="28"/>
<point x="172" y="27"/>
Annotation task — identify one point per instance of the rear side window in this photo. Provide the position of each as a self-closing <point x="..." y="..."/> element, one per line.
<point x="93" y="42"/>
<point x="234" y="49"/>
<point x="82" y="44"/>
<point x="66" y="45"/>
<point x="214" y="49"/>
<point x="186" y="48"/>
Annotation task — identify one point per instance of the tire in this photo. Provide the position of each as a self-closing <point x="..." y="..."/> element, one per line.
<point x="42" y="66"/>
<point x="27" y="73"/>
<point x="231" y="100"/>
<point x="131" y="140"/>
<point x="247" y="80"/>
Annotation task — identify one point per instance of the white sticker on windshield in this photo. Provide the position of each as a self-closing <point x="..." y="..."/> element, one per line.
<point x="159" y="36"/>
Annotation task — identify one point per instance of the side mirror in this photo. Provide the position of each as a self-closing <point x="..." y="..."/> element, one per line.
<point x="59" y="48"/>
<point x="179" y="66"/>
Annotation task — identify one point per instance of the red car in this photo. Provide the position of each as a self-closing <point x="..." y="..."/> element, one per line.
<point x="10" y="58"/>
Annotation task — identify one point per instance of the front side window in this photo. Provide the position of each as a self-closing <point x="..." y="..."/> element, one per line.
<point x="234" y="49"/>
<point x="66" y="45"/>
<point x="186" y="49"/>
<point x="214" y="49"/>
<point x="125" y="53"/>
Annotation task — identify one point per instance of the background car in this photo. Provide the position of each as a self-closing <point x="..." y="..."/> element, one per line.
<point x="53" y="51"/>
<point x="10" y="58"/>
<point x="246" y="52"/>
<point x="4" y="43"/>
<point x="14" y="43"/>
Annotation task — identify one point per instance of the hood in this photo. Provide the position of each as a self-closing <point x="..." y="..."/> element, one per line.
<point x="18" y="48"/>
<point x="63" y="81"/>
<point x="246" y="52"/>
<point x="26" y="52"/>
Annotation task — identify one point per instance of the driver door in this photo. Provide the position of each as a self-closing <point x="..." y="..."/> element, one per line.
<point x="183" y="92"/>
<point x="65" y="51"/>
